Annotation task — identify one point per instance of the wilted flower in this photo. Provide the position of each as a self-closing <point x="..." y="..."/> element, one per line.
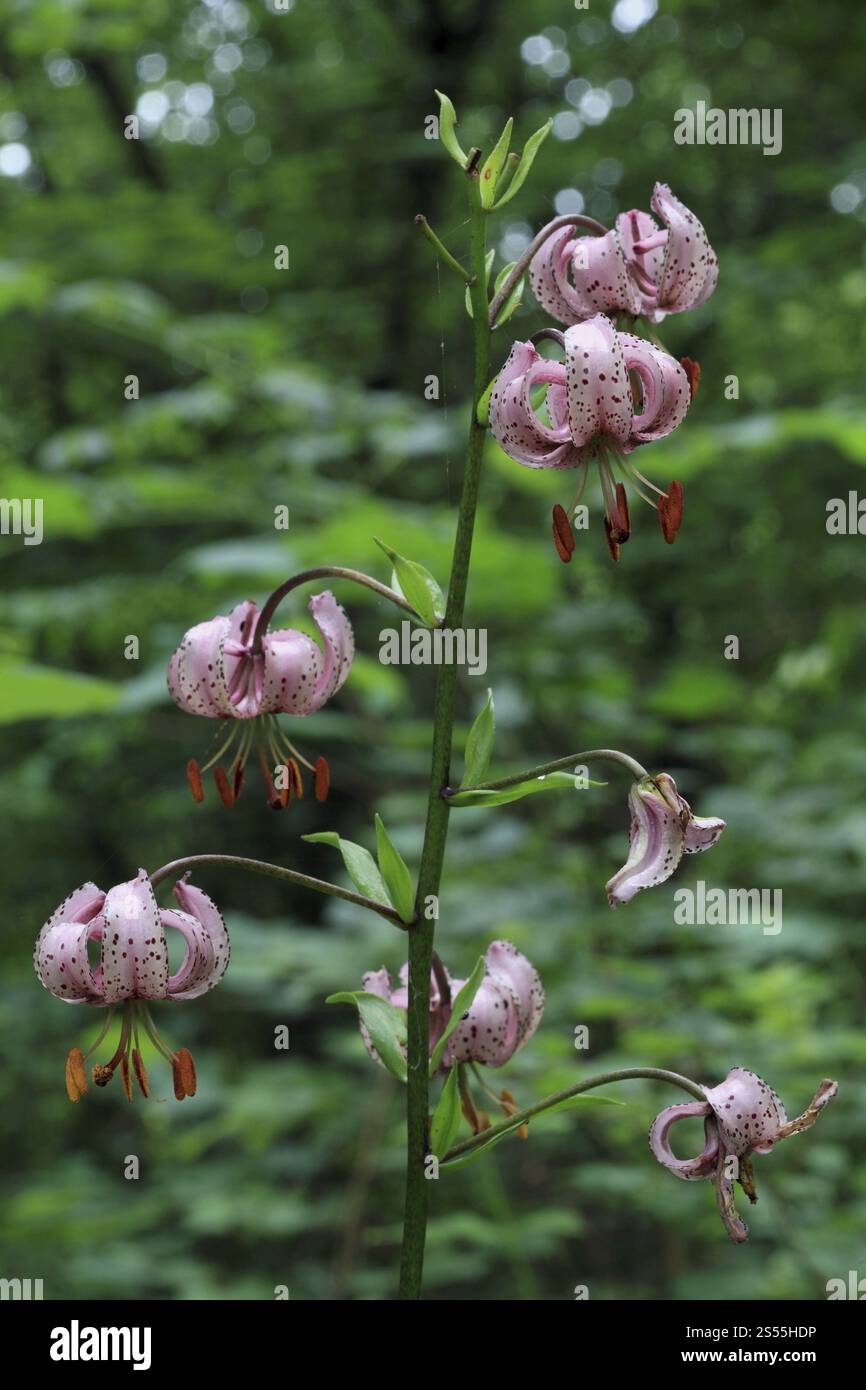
<point x="637" y="268"/>
<point x="133" y="968"/>
<point x="222" y="672"/>
<point x="613" y="393"/>
<point x="503" y="1016"/>
<point x="742" y="1116"/>
<point x="663" y="829"/>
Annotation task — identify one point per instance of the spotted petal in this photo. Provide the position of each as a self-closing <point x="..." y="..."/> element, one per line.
<point x="748" y="1112"/>
<point x="195" y="672"/>
<point x="514" y="423"/>
<point x="134" y="951"/>
<point x="60" y="957"/>
<point x="690" y="269"/>
<point x="666" y="394"/>
<point x="599" y="393"/>
<point x="574" y="278"/>
<point x="656" y="843"/>
<point x="299" y="676"/>
<point x="208" y="950"/>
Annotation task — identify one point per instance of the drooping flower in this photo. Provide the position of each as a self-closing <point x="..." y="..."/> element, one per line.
<point x="637" y="268"/>
<point x="741" y="1116"/>
<point x="133" y="968"/>
<point x="224" y="669"/>
<point x="663" y="829"/>
<point x="504" y="1014"/>
<point x="613" y="393"/>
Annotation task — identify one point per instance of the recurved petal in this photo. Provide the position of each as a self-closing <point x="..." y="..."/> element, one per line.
<point x="702" y="832"/>
<point x="655" y="844"/>
<point x="202" y="925"/>
<point x="599" y="273"/>
<point x="599" y="394"/>
<point x="548" y="278"/>
<point x="734" y="1223"/>
<point x="338" y="641"/>
<point x="690" y="268"/>
<point x="195" y="672"/>
<point x="509" y="967"/>
<point x="666" y="393"/>
<point x="134" y="951"/>
<point x="748" y="1112"/>
<point x="703" y="1165"/>
<point x="514" y="423"/>
<point x="60" y="956"/>
<point x="825" y="1092"/>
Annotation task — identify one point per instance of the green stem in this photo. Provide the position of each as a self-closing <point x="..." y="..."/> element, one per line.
<point x="605" y="1079"/>
<point x="612" y="755"/>
<point x="258" y="866"/>
<point x="436" y="829"/>
<point x="321" y="572"/>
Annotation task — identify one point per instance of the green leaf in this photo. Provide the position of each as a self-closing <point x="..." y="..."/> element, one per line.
<point x="447" y="122"/>
<point x="553" y="781"/>
<point x="482" y="414"/>
<point x="493" y="165"/>
<point x="479" y="745"/>
<point x="446" y="1117"/>
<point x="35" y="692"/>
<point x="359" y="862"/>
<point x="530" y="150"/>
<point x="418" y="586"/>
<point x="488" y="266"/>
<point x="395" y="873"/>
<point x="573" y="1103"/>
<point x="385" y="1023"/>
<point x="459" y="1007"/>
<point x="515" y="298"/>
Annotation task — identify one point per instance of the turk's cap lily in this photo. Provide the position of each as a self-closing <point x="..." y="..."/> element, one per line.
<point x="504" y="1014"/>
<point x="214" y="672"/>
<point x="742" y="1116"/>
<point x="130" y="930"/>
<point x="663" y="829"/>
<point x="219" y="671"/>
<point x="637" y="268"/>
<point x="133" y="968"/>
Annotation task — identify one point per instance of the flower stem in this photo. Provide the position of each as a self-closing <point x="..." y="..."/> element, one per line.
<point x="436" y="829"/>
<point x="321" y="572"/>
<point x="442" y="249"/>
<point x="612" y="755"/>
<point x="258" y="866"/>
<point x="521" y="266"/>
<point x="605" y="1079"/>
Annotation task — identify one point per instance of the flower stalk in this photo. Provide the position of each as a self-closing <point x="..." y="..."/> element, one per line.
<point x="436" y="829"/>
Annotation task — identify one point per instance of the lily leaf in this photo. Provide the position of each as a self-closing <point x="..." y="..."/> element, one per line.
<point x="573" y="1103"/>
<point x="417" y="585"/>
<point x="494" y="164"/>
<point x="479" y="745"/>
<point x="395" y="873"/>
<point x="530" y="150"/>
<point x="553" y="781"/>
<point x="459" y="1007"/>
<point x="446" y="1117"/>
<point x="447" y="122"/>
<point x="385" y="1023"/>
<point x="359" y="862"/>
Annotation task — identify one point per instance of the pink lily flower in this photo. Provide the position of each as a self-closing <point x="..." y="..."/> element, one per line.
<point x="503" y="1016"/>
<point x="637" y="268"/>
<point x="592" y="415"/>
<point x="742" y="1116"/>
<point x="663" y="829"/>
<point x="133" y="969"/>
<point x="221" y="672"/>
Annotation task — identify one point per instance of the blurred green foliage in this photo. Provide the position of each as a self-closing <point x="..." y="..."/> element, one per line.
<point x="305" y="388"/>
